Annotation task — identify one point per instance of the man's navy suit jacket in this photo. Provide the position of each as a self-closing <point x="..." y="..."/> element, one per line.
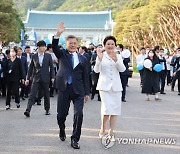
<point x="80" y="79"/>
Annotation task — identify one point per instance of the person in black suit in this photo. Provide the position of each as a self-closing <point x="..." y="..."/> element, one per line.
<point x="72" y="82"/>
<point x="176" y="65"/>
<point x="94" y="75"/>
<point x="13" y="75"/>
<point x="27" y="53"/>
<point x="124" y="75"/>
<point x="41" y="70"/>
<point x="163" y="73"/>
<point x="2" y="74"/>
<point x="84" y="52"/>
<point x="24" y="70"/>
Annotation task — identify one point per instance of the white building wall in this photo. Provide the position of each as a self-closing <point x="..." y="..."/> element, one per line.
<point x="84" y="34"/>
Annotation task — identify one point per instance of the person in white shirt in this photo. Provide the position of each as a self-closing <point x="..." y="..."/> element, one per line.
<point x="168" y="62"/>
<point x="139" y="60"/>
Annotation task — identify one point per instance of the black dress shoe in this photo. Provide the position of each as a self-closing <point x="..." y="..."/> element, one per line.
<point x="162" y="93"/>
<point x="92" y="97"/>
<point x="51" y="95"/>
<point x="75" y="144"/>
<point x="38" y="103"/>
<point x="27" y="113"/>
<point x="62" y="135"/>
<point x="47" y="112"/>
<point x="23" y="98"/>
<point x="123" y="100"/>
<point x="8" y="107"/>
<point x="18" y="105"/>
<point x="99" y="98"/>
<point x="179" y="93"/>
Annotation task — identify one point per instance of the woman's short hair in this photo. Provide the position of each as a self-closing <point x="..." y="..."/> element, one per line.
<point x="15" y="48"/>
<point x="109" y="38"/>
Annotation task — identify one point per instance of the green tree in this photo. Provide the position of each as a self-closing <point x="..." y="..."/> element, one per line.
<point x="10" y="23"/>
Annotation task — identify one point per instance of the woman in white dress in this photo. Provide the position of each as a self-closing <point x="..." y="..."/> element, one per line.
<point x="109" y="64"/>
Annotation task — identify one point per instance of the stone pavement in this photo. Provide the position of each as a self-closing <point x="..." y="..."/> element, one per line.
<point x="144" y="127"/>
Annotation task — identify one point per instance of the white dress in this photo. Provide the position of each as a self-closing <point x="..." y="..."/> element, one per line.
<point x="109" y="84"/>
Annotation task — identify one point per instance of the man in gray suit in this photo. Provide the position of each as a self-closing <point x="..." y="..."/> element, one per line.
<point x="41" y="70"/>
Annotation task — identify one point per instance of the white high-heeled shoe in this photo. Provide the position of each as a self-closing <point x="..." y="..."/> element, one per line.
<point x="112" y="138"/>
<point x="101" y="136"/>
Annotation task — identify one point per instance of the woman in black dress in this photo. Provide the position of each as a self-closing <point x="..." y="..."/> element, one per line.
<point x="151" y="77"/>
<point x="14" y="75"/>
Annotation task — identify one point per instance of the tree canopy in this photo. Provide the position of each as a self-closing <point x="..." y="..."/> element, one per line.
<point x="10" y="23"/>
<point x="149" y="23"/>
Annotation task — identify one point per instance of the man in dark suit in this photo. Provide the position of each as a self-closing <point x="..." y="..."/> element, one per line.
<point x="124" y="75"/>
<point x="72" y="82"/>
<point x="163" y="73"/>
<point x="42" y="71"/>
<point x="94" y="75"/>
<point x="27" y="53"/>
<point x="3" y="60"/>
<point x="84" y="52"/>
<point x="176" y="66"/>
<point x="24" y="70"/>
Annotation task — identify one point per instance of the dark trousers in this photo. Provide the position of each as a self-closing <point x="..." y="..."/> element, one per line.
<point x="168" y="77"/>
<point x="51" y="86"/>
<point x="178" y="77"/>
<point x="39" y="95"/>
<point x="34" y="90"/>
<point x="174" y="78"/>
<point x="3" y="86"/>
<point x="94" y="77"/>
<point x="22" y="90"/>
<point x="27" y="89"/>
<point x="12" y="88"/>
<point x="162" y="76"/>
<point x="124" y="79"/>
<point x="141" y="75"/>
<point x="63" y="104"/>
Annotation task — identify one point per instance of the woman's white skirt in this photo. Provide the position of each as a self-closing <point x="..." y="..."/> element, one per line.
<point x="110" y="102"/>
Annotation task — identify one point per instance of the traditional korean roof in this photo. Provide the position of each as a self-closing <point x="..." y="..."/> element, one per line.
<point x="72" y="20"/>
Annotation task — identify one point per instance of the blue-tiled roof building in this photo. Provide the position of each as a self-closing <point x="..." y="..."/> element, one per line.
<point x="85" y="25"/>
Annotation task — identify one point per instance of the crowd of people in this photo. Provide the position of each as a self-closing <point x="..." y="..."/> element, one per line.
<point x="152" y="81"/>
<point x="75" y="72"/>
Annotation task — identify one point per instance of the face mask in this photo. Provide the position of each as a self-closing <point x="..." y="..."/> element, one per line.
<point x="178" y="55"/>
<point x="12" y="54"/>
<point x="151" y="54"/>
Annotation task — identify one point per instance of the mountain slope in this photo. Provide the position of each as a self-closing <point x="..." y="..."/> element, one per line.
<point x="69" y="5"/>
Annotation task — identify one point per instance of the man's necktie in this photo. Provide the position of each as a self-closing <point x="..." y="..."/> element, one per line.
<point x="72" y="64"/>
<point x="72" y="60"/>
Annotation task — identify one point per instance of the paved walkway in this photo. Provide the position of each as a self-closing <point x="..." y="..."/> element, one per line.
<point x="141" y="121"/>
